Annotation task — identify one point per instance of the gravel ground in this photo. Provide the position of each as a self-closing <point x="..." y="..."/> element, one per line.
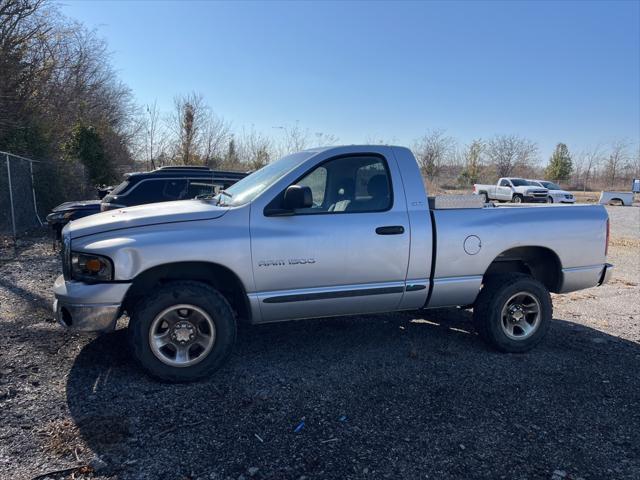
<point x="410" y="395"/>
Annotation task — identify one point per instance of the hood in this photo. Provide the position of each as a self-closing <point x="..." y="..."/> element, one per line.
<point x="79" y="205"/>
<point x="144" y="215"/>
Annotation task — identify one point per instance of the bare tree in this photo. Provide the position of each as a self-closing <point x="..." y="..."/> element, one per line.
<point x="617" y="161"/>
<point x="325" y="139"/>
<point x="588" y="162"/>
<point x="507" y="153"/>
<point x="187" y="124"/>
<point x="433" y="151"/>
<point x="215" y="136"/>
<point x="295" y="139"/>
<point x="255" y="149"/>
<point x="152" y="135"/>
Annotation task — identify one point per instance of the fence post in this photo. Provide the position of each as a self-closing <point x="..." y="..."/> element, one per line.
<point x="33" y="191"/>
<point x="13" y="213"/>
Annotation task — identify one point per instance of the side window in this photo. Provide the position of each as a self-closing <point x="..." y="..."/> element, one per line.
<point x="504" y="183"/>
<point x="349" y="184"/>
<point x="200" y="187"/>
<point x="174" y="190"/>
<point x="152" y="191"/>
<point x="317" y="182"/>
<point x="147" y="191"/>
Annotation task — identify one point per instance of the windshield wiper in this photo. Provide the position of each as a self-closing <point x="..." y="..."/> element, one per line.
<point x="209" y="196"/>
<point x="220" y="194"/>
<point x="205" y="196"/>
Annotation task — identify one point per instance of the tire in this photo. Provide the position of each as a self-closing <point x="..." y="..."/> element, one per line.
<point x="197" y="324"/>
<point x="485" y="197"/>
<point x="510" y="294"/>
<point x="517" y="198"/>
<point x="549" y="199"/>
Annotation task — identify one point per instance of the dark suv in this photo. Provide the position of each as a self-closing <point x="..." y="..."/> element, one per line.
<point x="167" y="184"/>
<point x="161" y="185"/>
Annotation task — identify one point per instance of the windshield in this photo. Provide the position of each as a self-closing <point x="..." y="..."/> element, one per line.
<point x="551" y="186"/>
<point x="519" y="182"/>
<point x="253" y="185"/>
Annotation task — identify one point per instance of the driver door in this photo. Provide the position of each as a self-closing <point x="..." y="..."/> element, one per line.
<point x="347" y="253"/>
<point x="505" y="191"/>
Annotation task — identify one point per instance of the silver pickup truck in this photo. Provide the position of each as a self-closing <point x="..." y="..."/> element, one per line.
<point x="324" y="232"/>
<point x="511" y="189"/>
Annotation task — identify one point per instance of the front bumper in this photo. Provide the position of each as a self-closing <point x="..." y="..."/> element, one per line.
<point x="531" y="199"/>
<point x="88" y="308"/>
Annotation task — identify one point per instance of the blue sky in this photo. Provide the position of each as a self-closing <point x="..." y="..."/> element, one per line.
<point x="550" y="71"/>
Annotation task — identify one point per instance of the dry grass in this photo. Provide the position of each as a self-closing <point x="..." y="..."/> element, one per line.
<point x="62" y="438"/>
<point x="624" y="242"/>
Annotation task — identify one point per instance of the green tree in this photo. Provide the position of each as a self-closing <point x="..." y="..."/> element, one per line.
<point x="473" y="163"/>
<point x="86" y="146"/>
<point x="560" y="165"/>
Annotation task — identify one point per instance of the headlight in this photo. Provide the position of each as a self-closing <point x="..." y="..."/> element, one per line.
<point x="59" y="216"/>
<point x="88" y="267"/>
<point x="66" y="254"/>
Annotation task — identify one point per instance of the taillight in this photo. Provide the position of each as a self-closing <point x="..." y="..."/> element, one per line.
<point x="606" y="245"/>
<point x="474" y="189"/>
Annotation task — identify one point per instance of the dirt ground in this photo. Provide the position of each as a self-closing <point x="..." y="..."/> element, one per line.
<point x="409" y="395"/>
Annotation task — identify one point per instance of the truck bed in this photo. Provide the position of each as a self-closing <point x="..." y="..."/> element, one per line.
<point x="468" y="240"/>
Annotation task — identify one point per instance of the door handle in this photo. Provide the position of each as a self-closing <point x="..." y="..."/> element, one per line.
<point x="390" y="230"/>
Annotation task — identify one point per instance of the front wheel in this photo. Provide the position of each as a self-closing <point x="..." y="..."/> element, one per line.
<point x="549" y="199"/>
<point x="517" y="198"/>
<point x="182" y="332"/>
<point x="513" y="312"/>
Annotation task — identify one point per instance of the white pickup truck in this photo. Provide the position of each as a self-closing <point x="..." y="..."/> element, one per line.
<point x="324" y="232"/>
<point x="511" y="189"/>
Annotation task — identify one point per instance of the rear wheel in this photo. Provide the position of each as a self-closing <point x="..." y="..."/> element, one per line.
<point x="517" y="198"/>
<point x="183" y="332"/>
<point x="485" y="197"/>
<point x="513" y="312"/>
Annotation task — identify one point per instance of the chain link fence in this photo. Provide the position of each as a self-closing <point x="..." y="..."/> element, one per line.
<point x="29" y="189"/>
<point x="18" y="202"/>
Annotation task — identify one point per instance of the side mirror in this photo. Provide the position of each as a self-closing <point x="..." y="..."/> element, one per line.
<point x="296" y="196"/>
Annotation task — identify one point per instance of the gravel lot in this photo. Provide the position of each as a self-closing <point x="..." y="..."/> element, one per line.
<point x="410" y="395"/>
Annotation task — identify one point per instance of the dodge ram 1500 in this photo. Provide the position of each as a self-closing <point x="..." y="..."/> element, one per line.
<point x="324" y="232"/>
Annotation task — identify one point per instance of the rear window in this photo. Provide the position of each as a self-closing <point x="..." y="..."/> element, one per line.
<point x="120" y="188"/>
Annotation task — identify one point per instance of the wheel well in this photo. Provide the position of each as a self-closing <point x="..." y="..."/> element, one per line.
<point x="615" y="200"/>
<point x="539" y="262"/>
<point x="219" y="277"/>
